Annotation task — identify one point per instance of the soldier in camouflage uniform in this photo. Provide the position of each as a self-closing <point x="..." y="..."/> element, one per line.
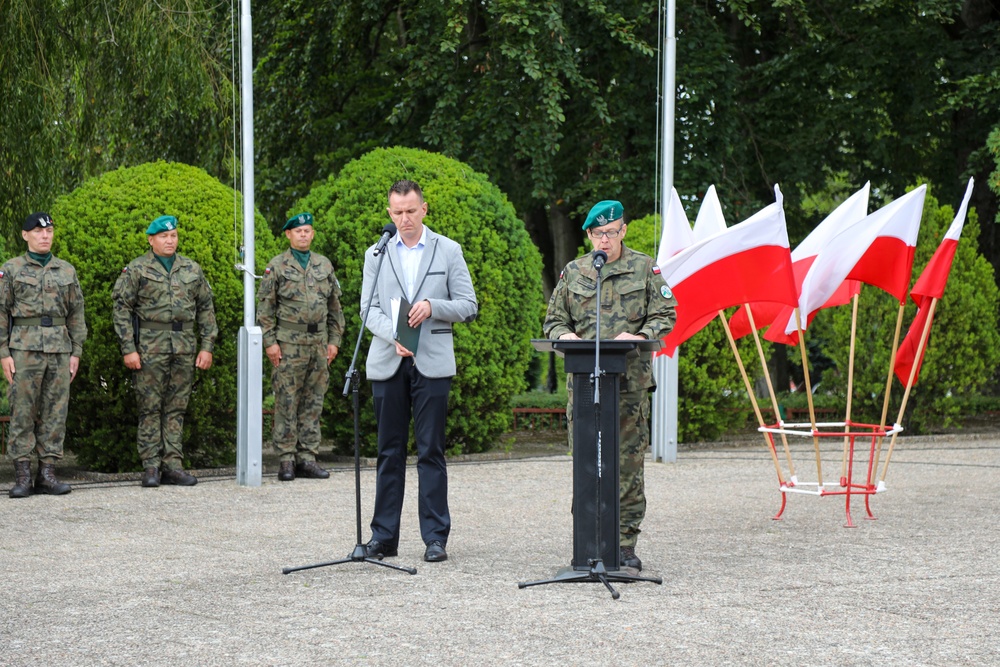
<point x="158" y="298"/>
<point x="635" y="305"/>
<point x="41" y="338"/>
<point x="302" y="323"/>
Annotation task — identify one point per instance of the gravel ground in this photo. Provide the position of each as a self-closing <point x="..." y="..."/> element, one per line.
<point x="114" y="574"/>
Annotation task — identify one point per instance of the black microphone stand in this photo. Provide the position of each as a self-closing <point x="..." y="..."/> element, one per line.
<point x="360" y="554"/>
<point x="597" y="572"/>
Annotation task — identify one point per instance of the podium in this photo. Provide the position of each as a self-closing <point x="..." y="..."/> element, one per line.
<point x="595" y="529"/>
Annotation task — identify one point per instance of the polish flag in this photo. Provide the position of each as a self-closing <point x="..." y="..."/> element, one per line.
<point x="877" y="250"/>
<point x="710" y="220"/>
<point x="676" y="234"/>
<point x="745" y="263"/>
<point x="930" y="285"/>
<point x="850" y="212"/>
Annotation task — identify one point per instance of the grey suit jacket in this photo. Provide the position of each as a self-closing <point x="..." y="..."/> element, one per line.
<point x="443" y="279"/>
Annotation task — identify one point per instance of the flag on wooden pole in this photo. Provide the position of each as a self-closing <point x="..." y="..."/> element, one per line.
<point x="851" y="211"/>
<point x="747" y="262"/>
<point x="930" y="285"/>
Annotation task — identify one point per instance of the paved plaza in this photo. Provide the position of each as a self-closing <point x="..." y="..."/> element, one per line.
<point x="114" y="574"/>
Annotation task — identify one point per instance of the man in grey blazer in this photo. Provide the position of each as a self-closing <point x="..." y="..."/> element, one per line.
<point x="428" y="271"/>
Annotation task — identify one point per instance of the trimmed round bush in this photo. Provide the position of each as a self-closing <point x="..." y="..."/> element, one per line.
<point x="494" y="351"/>
<point x="100" y="227"/>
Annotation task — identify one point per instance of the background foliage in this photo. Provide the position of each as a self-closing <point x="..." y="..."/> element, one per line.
<point x="492" y="352"/>
<point x="89" y="86"/>
<point x="100" y="227"/>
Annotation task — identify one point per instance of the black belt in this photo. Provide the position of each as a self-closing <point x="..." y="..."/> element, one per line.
<point x="166" y="326"/>
<point x="300" y="327"/>
<point x="43" y="321"/>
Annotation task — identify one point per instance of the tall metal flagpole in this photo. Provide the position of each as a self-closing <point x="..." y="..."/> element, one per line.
<point x="250" y="372"/>
<point x="664" y="426"/>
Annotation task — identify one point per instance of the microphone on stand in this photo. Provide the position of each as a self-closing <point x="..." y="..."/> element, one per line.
<point x="387" y="233"/>
<point x="600" y="257"/>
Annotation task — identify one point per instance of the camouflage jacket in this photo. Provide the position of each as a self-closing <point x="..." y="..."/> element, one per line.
<point x="634" y="300"/>
<point x="145" y="289"/>
<point x="309" y="296"/>
<point x="28" y="289"/>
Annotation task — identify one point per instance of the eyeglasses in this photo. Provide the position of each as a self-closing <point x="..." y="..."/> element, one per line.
<point x="612" y="234"/>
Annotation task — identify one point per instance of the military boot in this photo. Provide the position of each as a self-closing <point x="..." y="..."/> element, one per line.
<point x="22" y="480"/>
<point x="46" y="482"/>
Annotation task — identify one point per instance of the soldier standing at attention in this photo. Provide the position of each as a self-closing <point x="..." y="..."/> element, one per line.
<point x="300" y="317"/>
<point x="635" y="305"/>
<point x="157" y="300"/>
<point x="41" y="338"/>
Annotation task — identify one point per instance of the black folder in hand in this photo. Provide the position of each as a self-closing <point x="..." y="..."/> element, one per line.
<point x="406" y="335"/>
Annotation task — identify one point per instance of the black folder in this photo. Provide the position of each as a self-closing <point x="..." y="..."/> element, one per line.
<point x="406" y="335"/>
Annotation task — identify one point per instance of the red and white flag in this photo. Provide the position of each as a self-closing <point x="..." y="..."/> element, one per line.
<point x="930" y="285"/>
<point x="710" y="220"/>
<point x="877" y="250"/>
<point x="850" y="212"/>
<point x="676" y="234"/>
<point x="747" y="262"/>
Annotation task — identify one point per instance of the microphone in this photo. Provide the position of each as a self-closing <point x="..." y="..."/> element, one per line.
<point x="387" y="233"/>
<point x="600" y="257"/>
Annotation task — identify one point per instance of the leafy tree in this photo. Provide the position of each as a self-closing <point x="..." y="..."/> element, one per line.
<point x="494" y="351"/>
<point x="89" y="86"/>
<point x="964" y="347"/>
<point x="100" y="227"/>
<point x="558" y="103"/>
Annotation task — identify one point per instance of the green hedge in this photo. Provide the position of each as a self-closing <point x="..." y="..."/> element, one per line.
<point x="494" y="351"/>
<point x="100" y="227"/>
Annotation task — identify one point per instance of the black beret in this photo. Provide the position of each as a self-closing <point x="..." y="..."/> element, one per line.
<point x="36" y="220"/>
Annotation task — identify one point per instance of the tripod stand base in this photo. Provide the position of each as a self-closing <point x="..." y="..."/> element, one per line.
<point x="359" y="555"/>
<point x="596" y="574"/>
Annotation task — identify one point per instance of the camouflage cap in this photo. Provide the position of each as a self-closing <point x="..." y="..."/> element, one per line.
<point x="164" y="223"/>
<point x="603" y="213"/>
<point x="36" y="220"/>
<point x="298" y="221"/>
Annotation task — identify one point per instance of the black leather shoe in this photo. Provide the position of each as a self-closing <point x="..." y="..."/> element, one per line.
<point x="310" y="470"/>
<point x="286" y="471"/>
<point x="151" y="477"/>
<point x="375" y="549"/>
<point x="435" y="552"/>
<point x="627" y="558"/>
<point x="177" y="477"/>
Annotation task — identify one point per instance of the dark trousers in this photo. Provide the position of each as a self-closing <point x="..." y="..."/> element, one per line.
<point x="406" y="394"/>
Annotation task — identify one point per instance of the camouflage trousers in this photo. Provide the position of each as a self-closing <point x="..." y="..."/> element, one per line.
<point x="633" y="443"/>
<point x="299" y="382"/>
<point x="162" y="391"/>
<point x="39" y="401"/>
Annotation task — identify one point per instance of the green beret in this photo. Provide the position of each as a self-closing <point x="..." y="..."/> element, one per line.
<point x="164" y="223"/>
<point x="298" y="221"/>
<point x="604" y="212"/>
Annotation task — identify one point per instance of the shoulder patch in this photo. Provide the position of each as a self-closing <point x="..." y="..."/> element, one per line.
<point x="656" y="269"/>
<point x="1" y="274"/>
<point x="666" y="293"/>
<point x="267" y="271"/>
<point x="125" y="269"/>
<point x="562" y="273"/>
